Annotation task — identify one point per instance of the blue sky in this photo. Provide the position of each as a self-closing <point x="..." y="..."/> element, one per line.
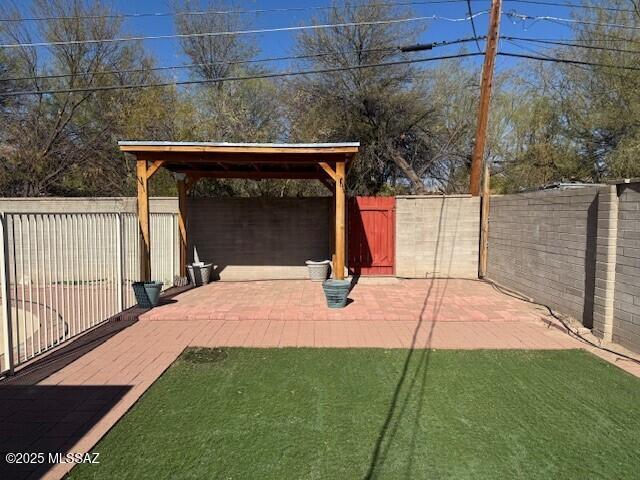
<point x="168" y="52"/>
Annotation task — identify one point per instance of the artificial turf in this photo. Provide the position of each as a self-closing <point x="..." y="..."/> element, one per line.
<point x="373" y="413"/>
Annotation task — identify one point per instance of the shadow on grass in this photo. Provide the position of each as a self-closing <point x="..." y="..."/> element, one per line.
<point x="409" y="381"/>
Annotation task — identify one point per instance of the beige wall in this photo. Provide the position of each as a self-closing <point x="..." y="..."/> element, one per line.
<point x="260" y="238"/>
<point x="53" y="226"/>
<point x="437" y="236"/>
<point x="85" y="205"/>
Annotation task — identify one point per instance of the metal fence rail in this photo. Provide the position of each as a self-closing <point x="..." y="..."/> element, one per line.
<point x="64" y="273"/>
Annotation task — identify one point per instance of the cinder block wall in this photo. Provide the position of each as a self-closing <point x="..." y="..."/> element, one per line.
<point x="437" y="236"/>
<point x="85" y="205"/>
<point x="543" y="244"/>
<point x="626" y="321"/>
<point x="164" y="237"/>
<point x="259" y="238"/>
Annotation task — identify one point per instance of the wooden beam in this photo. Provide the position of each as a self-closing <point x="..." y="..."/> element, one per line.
<point x="484" y="223"/>
<point x="255" y="175"/>
<point x="153" y="168"/>
<point x="182" y="224"/>
<point x="485" y="98"/>
<point x="176" y="158"/>
<point x="143" y="220"/>
<point x="340" y="243"/>
<point x="330" y="171"/>
<point x="332" y="227"/>
<point x="255" y="149"/>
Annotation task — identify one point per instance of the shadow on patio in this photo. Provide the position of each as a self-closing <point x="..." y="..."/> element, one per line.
<point x="48" y="419"/>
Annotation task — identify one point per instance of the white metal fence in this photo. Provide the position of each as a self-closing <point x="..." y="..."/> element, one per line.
<point x="64" y="273"/>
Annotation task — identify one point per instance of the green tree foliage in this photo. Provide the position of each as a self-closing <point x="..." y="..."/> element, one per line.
<point x="575" y="122"/>
<point x="64" y="143"/>
<point x="416" y="123"/>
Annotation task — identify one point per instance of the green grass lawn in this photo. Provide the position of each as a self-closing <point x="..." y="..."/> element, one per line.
<point x="356" y="413"/>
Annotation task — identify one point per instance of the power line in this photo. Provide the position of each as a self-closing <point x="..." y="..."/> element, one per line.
<point x="566" y="60"/>
<point x="549" y="58"/>
<point x="593" y="40"/>
<point x="570" y="44"/>
<point x="239" y="32"/>
<point x="537" y="52"/>
<point x="521" y="16"/>
<point x="580" y="65"/>
<point x="226" y="12"/>
<point x="231" y="79"/>
<point x="180" y="67"/>
<point x="236" y="62"/>
<point x="572" y="5"/>
<point x="473" y="24"/>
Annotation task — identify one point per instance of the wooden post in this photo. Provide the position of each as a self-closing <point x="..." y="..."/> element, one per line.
<point x="338" y="265"/>
<point x="332" y="228"/>
<point x="485" y="98"/>
<point x="143" y="219"/>
<point x="182" y="224"/>
<point x="484" y="223"/>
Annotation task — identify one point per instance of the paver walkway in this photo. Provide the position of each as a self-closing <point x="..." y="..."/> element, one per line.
<point x="74" y="407"/>
<point x="441" y="300"/>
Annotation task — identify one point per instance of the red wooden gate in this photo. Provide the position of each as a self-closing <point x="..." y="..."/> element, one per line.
<point x="371" y="230"/>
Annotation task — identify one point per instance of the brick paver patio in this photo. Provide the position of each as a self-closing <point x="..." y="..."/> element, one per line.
<point x="441" y="300"/>
<point x="75" y="406"/>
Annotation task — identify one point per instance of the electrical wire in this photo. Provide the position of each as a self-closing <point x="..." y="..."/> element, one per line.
<point x="566" y="60"/>
<point x="236" y="62"/>
<point x="227" y="12"/>
<point x="238" y="32"/>
<point x="569" y="44"/>
<point x="236" y="78"/>
<point x="572" y="5"/>
<point x="522" y="16"/>
<point x="473" y="24"/>
<point x="537" y="52"/>
<point x="569" y="331"/>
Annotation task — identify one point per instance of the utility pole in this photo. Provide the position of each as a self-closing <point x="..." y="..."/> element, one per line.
<point x="485" y="98"/>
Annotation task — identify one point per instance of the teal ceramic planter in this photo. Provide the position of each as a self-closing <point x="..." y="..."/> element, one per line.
<point x="147" y="293"/>
<point x="336" y="292"/>
<point x="153" y="290"/>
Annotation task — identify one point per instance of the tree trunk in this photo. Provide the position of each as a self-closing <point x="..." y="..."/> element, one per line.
<point x="416" y="182"/>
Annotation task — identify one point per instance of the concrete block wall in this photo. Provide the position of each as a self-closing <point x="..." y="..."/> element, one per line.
<point x="259" y="238"/>
<point x="626" y="315"/>
<point x="543" y="244"/>
<point x="85" y="205"/>
<point x="606" y="240"/>
<point x="26" y="246"/>
<point x="437" y="236"/>
<point x="575" y="250"/>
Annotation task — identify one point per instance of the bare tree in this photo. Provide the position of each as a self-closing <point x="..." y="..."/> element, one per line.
<point x="212" y="54"/>
<point x="382" y="107"/>
<point x="55" y="136"/>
